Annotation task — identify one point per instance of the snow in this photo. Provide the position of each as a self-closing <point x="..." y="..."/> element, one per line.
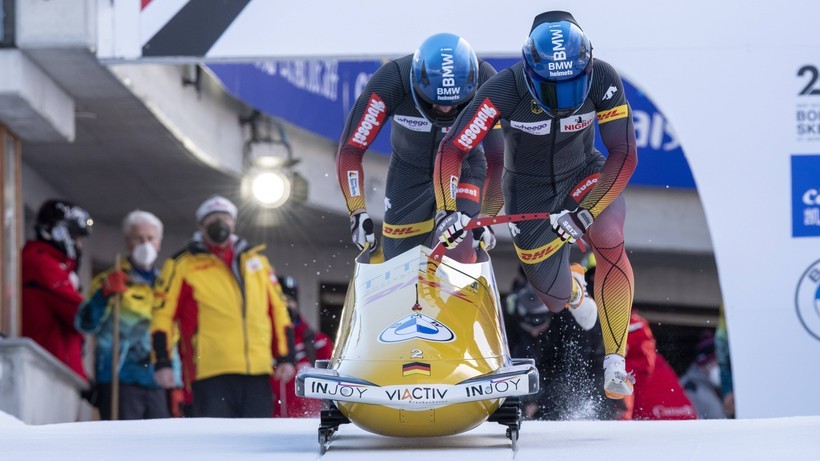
<point x="295" y="439"/>
<point x="7" y="420"/>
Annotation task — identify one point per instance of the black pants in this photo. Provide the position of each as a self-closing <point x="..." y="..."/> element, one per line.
<point x="136" y="402"/>
<point x="233" y="396"/>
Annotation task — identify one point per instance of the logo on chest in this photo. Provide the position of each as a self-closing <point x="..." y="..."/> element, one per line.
<point x="538" y="128"/>
<point x="577" y="122"/>
<point x="413" y="123"/>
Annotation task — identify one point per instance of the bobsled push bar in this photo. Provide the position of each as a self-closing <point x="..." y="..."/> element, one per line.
<point x="510" y="381"/>
<point x="439" y="250"/>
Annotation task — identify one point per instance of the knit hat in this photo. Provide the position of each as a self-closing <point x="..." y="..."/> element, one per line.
<point x="705" y="350"/>
<point x="215" y="204"/>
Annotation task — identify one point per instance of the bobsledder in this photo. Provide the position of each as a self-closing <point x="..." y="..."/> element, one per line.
<point x="421" y="351"/>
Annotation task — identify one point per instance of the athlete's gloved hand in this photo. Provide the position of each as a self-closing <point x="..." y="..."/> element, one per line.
<point x="571" y="225"/>
<point x="484" y="234"/>
<point x="361" y="229"/>
<point x="450" y="228"/>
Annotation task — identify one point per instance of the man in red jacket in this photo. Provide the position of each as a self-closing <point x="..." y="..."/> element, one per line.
<point x="310" y="346"/>
<point x="50" y="284"/>
<point x="658" y="394"/>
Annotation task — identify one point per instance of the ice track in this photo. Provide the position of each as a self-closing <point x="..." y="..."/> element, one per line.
<point x="292" y="439"/>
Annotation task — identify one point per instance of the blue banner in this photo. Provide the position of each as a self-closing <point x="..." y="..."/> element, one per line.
<point x="806" y="196"/>
<point x="318" y="94"/>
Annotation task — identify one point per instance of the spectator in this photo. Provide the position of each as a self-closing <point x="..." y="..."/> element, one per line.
<point x="658" y="393"/>
<point x="310" y="346"/>
<point x="139" y="396"/>
<point x="50" y="294"/>
<point x="725" y="363"/>
<point x="232" y="319"/>
<point x="702" y="381"/>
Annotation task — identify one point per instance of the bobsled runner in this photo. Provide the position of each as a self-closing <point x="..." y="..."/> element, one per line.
<point x="420" y="352"/>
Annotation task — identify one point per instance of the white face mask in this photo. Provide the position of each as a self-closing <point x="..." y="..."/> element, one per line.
<point x="714" y="375"/>
<point x="144" y="254"/>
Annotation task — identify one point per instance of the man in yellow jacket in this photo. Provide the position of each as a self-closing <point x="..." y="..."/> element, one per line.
<point x="232" y="319"/>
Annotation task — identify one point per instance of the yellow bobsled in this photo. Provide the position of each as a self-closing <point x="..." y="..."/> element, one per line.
<point x="420" y="352"/>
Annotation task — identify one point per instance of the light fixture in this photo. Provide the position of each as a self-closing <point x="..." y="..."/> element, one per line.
<point x="270" y="179"/>
<point x="270" y="188"/>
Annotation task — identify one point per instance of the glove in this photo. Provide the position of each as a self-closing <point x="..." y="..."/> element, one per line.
<point x="484" y="234"/>
<point x="571" y="225"/>
<point x="451" y="229"/>
<point x="164" y="377"/>
<point x="361" y="229"/>
<point x="285" y="371"/>
<point x="115" y="283"/>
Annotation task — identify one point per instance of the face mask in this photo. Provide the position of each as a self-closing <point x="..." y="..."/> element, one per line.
<point x="144" y="254"/>
<point x="218" y="231"/>
<point x="714" y="375"/>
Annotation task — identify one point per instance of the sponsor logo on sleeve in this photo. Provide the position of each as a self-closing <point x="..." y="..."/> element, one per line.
<point x="371" y="121"/>
<point x="413" y="123"/>
<point x="610" y="93"/>
<point x="577" y="122"/>
<point x="478" y="126"/>
<point x="353" y="183"/>
<point x="584" y="187"/>
<point x="469" y="192"/>
<point x="535" y="128"/>
<point x="453" y="186"/>
<point x="613" y="114"/>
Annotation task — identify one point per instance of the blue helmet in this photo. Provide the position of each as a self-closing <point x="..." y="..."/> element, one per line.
<point x="444" y="73"/>
<point x="558" y="64"/>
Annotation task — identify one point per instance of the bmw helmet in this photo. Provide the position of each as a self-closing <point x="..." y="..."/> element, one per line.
<point x="558" y="66"/>
<point x="444" y="73"/>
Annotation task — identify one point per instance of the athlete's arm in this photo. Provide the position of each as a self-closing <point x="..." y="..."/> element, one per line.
<point x="618" y="133"/>
<point x="469" y="129"/>
<point x="492" y="197"/>
<point x="383" y="92"/>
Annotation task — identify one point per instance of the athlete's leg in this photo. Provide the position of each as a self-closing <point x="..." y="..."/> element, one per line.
<point x="409" y="209"/>
<point x="544" y="257"/>
<point x="614" y="283"/>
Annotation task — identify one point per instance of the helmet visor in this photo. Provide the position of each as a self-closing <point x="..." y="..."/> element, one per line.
<point x="560" y="97"/>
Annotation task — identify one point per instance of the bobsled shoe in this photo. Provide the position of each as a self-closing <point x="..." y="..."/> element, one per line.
<point x="580" y="304"/>
<point x="617" y="382"/>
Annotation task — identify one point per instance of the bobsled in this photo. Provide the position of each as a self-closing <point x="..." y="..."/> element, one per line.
<point x="420" y="352"/>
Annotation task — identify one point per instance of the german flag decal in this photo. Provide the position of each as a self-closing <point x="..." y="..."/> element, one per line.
<point x="415" y="368"/>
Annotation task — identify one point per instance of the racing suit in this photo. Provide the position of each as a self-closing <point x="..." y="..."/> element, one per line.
<point x="550" y="165"/>
<point x="409" y="201"/>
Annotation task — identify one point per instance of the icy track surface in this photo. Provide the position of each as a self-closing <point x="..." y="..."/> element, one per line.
<point x="295" y="439"/>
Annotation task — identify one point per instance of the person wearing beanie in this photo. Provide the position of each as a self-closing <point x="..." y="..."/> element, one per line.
<point x="235" y="332"/>
<point x="701" y="382"/>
